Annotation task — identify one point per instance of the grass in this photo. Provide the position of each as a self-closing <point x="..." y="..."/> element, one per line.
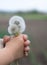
<point x="2" y="33"/>
<point x="33" y="16"/>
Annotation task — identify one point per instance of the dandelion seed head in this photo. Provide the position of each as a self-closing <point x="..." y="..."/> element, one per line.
<point x="13" y="29"/>
<point x="19" y="21"/>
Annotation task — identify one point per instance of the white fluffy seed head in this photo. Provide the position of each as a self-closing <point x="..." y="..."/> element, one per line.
<point x="19" y="21"/>
<point x="13" y="29"/>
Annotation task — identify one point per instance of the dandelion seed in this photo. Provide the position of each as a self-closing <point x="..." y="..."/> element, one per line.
<point x="19" y="21"/>
<point x="13" y="29"/>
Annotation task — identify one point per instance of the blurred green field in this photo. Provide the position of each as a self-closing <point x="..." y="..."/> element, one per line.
<point x="37" y="32"/>
<point x="33" y="16"/>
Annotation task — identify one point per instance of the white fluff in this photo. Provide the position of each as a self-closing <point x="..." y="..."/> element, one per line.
<point x="19" y="21"/>
<point x="13" y="29"/>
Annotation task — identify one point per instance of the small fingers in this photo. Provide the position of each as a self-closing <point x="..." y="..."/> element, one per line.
<point x="26" y="53"/>
<point x="25" y="37"/>
<point x="6" y="38"/>
<point x="27" y="43"/>
<point x="27" y="49"/>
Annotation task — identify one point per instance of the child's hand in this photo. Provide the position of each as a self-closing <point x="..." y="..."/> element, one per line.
<point x="26" y="43"/>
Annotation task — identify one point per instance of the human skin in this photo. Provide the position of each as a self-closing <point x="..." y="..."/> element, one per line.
<point x="14" y="49"/>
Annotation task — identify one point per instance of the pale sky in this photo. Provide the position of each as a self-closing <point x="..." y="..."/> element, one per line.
<point x="23" y="5"/>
